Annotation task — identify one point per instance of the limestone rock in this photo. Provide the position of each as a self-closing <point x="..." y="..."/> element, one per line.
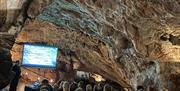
<point x="10" y="10"/>
<point x="92" y="54"/>
<point x="126" y="41"/>
<point x="6" y="43"/>
<point x="36" y="7"/>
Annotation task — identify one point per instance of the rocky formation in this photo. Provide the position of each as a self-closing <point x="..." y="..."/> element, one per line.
<point x="6" y="43"/>
<point x="131" y="42"/>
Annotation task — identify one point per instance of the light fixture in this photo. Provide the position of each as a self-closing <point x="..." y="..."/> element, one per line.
<point x="98" y="78"/>
<point x="26" y="73"/>
<point x="51" y="80"/>
<point x="39" y="78"/>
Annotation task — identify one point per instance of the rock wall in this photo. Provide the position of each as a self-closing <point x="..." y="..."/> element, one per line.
<point x="91" y="54"/>
<point x="131" y="42"/>
<point x="6" y="43"/>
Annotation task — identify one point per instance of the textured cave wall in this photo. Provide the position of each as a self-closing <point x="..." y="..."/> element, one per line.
<point x="92" y="54"/>
<point x="6" y="43"/>
<point x="170" y="73"/>
<point x="13" y="14"/>
<point x="127" y="41"/>
<point x="8" y="16"/>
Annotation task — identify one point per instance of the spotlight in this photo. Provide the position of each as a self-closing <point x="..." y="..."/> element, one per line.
<point x="39" y="78"/>
<point x="51" y="80"/>
<point x="26" y="73"/>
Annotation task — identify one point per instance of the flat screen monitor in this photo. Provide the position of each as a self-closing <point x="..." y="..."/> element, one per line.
<point x="39" y="56"/>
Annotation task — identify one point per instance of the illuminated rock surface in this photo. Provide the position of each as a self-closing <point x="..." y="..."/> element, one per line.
<point x="131" y="42"/>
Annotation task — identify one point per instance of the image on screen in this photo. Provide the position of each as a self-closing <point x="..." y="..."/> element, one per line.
<point x="39" y="56"/>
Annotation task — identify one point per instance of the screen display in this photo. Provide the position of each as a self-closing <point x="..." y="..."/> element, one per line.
<point x="39" y="56"/>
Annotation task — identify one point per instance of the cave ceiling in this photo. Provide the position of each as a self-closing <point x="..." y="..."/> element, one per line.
<point x="127" y="41"/>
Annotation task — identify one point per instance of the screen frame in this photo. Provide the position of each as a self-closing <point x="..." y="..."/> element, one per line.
<point x="38" y="66"/>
